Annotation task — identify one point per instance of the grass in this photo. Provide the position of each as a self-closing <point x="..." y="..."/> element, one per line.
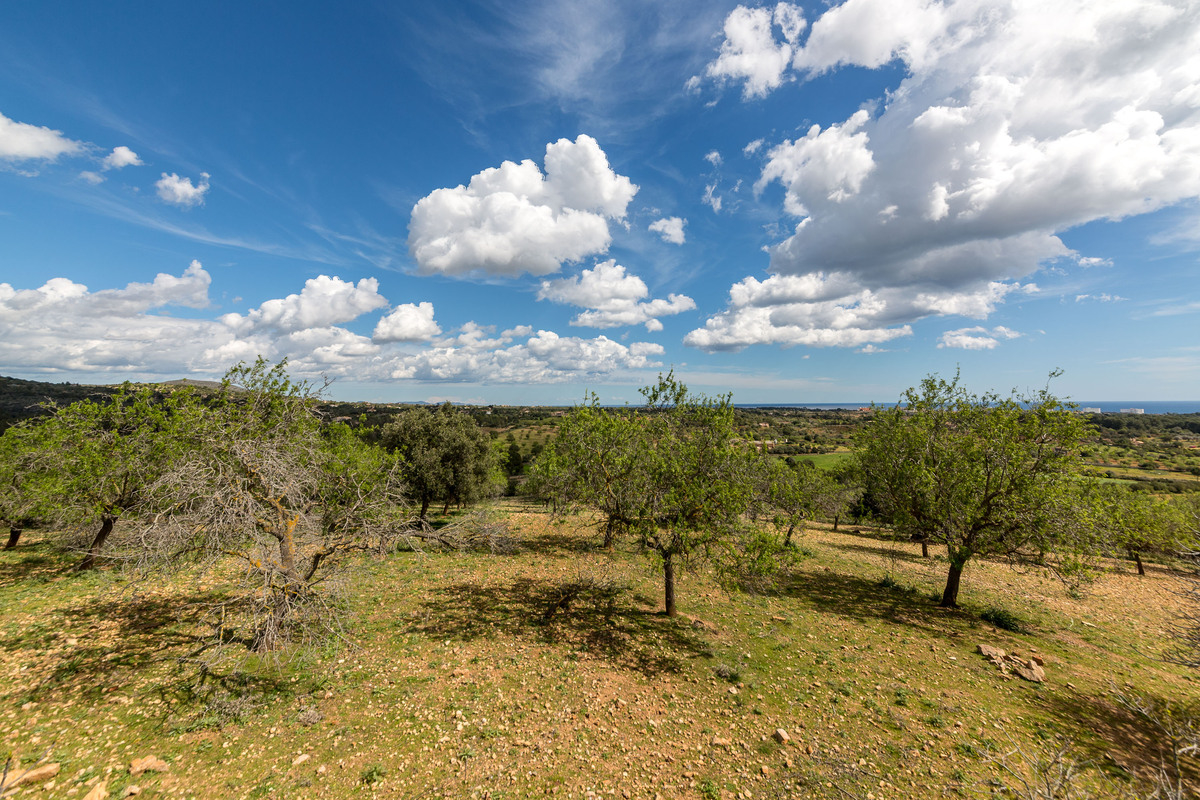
<point x="456" y="681"/>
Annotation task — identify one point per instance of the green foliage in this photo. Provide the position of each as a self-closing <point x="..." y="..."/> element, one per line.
<point x="672" y="474"/>
<point x="982" y="475"/>
<point x="446" y="457"/>
<point x="372" y="774"/>
<point x="94" y="461"/>
<point x="1003" y="619"/>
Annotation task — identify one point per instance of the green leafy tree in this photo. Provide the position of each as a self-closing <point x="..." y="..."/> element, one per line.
<point x="673" y="474"/>
<point x="700" y="480"/>
<point x="19" y="457"/>
<point x="796" y="494"/>
<point x="596" y="460"/>
<point x="95" y="459"/>
<point x="981" y="475"/>
<point x="1135" y="523"/>
<point x="446" y="456"/>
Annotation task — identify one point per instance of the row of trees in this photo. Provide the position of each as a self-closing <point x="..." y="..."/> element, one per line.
<point x="980" y="475"/>
<point x="250" y="473"/>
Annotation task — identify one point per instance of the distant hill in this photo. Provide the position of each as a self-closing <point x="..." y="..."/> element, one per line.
<point x="21" y="399"/>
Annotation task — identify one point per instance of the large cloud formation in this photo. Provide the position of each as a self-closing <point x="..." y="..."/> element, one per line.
<point x="1015" y="121"/>
<point x="63" y="327"/>
<point x="512" y="219"/>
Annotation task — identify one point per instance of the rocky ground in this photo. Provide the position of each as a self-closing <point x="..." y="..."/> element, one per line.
<point x="548" y="670"/>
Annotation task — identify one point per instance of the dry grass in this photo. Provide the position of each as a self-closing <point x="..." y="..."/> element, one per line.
<point x="549" y="670"/>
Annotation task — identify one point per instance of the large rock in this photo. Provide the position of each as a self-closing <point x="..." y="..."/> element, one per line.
<point x="36" y="775"/>
<point x="989" y="652"/>
<point x="1031" y="671"/>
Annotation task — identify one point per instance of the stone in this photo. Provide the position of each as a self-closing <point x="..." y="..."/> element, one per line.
<point x="98" y="792"/>
<point x="132" y="790"/>
<point x="781" y="736"/>
<point x="300" y="759"/>
<point x="1031" y="672"/>
<point x="1039" y="660"/>
<point x="717" y="741"/>
<point x="150" y="763"/>
<point x="35" y="775"/>
<point x="989" y="652"/>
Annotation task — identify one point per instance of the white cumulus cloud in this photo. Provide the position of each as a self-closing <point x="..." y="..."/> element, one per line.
<point x="1013" y="122"/>
<point x="408" y="322"/>
<point x="20" y="141"/>
<point x="121" y="157"/>
<point x="181" y="191"/>
<point x="64" y="328"/>
<point x="752" y="52"/>
<point x="323" y="301"/>
<point x="512" y="219"/>
<point x="613" y="298"/>
<point x="669" y="228"/>
<point x="977" y="338"/>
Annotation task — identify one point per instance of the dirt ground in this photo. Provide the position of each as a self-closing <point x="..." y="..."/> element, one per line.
<point x="549" y="670"/>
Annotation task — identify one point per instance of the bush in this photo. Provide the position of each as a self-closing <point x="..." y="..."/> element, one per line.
<point x="1004" y="619"/>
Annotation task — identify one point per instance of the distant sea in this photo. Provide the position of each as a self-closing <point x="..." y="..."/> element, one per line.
<point x="1105" y="406"/>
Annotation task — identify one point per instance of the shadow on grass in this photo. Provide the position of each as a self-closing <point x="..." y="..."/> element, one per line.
<point x="1123" y="741"/>
<point x="597" y="619"/>
<point x="864" y="600"/>
<point x="35" y="559"/>
<point x="886" y="548"/>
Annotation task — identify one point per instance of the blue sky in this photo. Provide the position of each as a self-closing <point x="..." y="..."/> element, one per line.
<point x="516" y="202"/>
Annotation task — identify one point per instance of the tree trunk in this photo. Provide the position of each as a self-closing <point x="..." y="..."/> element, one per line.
<point x="89" y="561"/>
<point x="1137" y="559"/>
<point x="787" y="540"/>
<point x="950" y="596"/>
<point x="424" y="509"/>
<point x="610" y="534"/>
<point x="669" y="585"/>
<point x="446" y="508"/>
<point x="836" y="517"/>
<point x="924" y="548"/>
<point x="14" y="534"/>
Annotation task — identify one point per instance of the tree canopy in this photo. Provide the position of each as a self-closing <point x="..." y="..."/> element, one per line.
<point x="981" y="474"/>
<point x="446" y="456"/>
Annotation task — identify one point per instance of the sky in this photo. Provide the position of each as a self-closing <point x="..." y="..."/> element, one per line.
<point x="522" y="202"/>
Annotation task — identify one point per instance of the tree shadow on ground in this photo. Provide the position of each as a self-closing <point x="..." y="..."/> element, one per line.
<point x="597" y="618"/>
<point x="1122" y="741"/>
<point x="35" y="559"/>
<point x="864" y="600"/>
<point x="885" y="548"/>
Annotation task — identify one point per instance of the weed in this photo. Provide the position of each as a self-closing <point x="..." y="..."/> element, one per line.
<point x="709" y="790"/>
<point x="902" y="696"/>
<point x="372" y="774"/>
<point x="1002" y="618"/>
<point x="727" y="673"/>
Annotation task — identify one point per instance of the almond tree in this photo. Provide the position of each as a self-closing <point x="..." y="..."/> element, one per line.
<point x="673" y="473"/>
<point x="982" y="475"/>
<point x="267" y="485"/>
<point x="596" y="460"/>
<point x="93" y="461"/>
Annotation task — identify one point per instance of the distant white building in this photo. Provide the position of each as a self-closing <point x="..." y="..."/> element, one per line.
<point x="1087" y="410"/>
<point x="1133" y="411"/>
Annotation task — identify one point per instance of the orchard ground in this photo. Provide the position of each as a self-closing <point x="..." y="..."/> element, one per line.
<point x="548" y="669"/>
